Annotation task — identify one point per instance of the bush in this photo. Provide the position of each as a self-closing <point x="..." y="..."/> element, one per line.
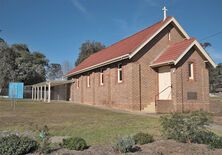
<point x="216" y="142"/>
<point x="17" y="145"/>
<point x="143" y="138"/>
<point x="75" y="143"/>
<point x="124" y="144"/>
<point x="44" y="140"/>
<point x="190" y="128"/>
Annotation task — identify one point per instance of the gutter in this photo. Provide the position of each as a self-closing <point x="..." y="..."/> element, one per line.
<point x="164" y="63"/>
<point x="123" y="57"/>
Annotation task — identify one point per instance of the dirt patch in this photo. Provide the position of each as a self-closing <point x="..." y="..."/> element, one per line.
<point x="171" y="147"/>
<point x="161" y="147"/>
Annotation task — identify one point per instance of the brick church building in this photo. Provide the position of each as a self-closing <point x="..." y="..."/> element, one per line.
<point x="159" y="69"/>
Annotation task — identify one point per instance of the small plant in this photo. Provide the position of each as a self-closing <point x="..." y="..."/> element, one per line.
<point x="124" y="144"/>
<point x="75" y="143"/>
<point x="44" y="138"/>
<point x="143" y="138"/>
<point x="17" y="145"/>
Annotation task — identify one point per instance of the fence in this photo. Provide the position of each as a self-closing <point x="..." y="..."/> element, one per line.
<point x="27" y="92"/>
<point x="57" y="93"/>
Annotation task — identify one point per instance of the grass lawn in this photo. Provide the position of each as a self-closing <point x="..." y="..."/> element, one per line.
<point x="96" y="125"/>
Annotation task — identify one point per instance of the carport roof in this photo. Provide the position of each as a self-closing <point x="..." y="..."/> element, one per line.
<point x="53" y="83"/>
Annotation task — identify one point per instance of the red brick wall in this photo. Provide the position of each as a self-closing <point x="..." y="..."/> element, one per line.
<point x="149" y="76"/>
<point x="111" y="93"/>
<point x="140" y="81"/>
<point x="200" y="83"/>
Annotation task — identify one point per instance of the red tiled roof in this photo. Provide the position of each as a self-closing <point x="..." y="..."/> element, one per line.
<point x="174" y="51"/>
<point x="121" y="48"/>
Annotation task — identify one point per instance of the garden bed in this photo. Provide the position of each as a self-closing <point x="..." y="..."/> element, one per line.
<point x="161" y="147"/>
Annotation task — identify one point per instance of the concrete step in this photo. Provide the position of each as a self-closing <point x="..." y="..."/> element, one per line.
<point x="151" y="108"/>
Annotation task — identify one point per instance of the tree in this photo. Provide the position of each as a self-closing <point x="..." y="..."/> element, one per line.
<point x="54" y="71"/>
<point x="66" y="67"/>
<point x="205" y="45"/>
<point x="20" y="47"/>
<point x="215" y="74"/>
<point x="7" y="67"/>
<point x="87" y="48"/>
<point x="3" y="44"/>
<point x="216" y="79"/>
<point x="30" y="66"/>
<point x="18" y="63"/>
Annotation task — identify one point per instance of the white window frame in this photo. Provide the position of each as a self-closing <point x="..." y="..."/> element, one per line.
<point x="101" y="77"/>
<point x="77" y="83"/>
<point x="169" y="36"/>
<point x="88" y="81"/>
<point x="118" y="73"/>
<point x="191" y="70"/>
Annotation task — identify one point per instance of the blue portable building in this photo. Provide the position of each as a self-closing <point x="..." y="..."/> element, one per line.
<point x="16" y="90"/>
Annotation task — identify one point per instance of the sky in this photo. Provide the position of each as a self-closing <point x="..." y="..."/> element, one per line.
<point x="57" y="28"/>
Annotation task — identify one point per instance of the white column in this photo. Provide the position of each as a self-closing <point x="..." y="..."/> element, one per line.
<point x="37" y="93"/>
<point x="44" y="93"/>
<point x="49" y="92"/>
<point x="41" y="93"/>
<point x="32" y="93"/>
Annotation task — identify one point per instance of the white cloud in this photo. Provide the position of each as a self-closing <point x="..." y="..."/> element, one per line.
<point x="79" y="6"/>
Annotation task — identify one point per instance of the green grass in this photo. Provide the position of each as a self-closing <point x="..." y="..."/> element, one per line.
<point x="96" y="125"/>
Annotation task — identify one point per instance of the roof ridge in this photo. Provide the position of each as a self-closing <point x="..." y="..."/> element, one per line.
<point x="161" y="21"/>
<point x="121" y="48"/>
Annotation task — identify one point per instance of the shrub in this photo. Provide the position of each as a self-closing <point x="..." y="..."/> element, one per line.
<point x="188" y="127"/>
<point x="124" y="144"/>
<point x="17" y="145"/>
<point x="216" y="142"/>
<point x="75" y="143"/>
<point x="191" y="128"/>
<point x="143" y="138"/>
<point x="44" y="138"/>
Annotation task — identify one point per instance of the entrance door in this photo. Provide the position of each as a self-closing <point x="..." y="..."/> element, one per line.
<point x="164" y="83"/>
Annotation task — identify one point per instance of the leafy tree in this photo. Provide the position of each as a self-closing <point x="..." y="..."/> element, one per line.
<point x="17" y="63"/>
<point x="20" y="47"/>
<point x="3" y="44"/>
<point x="216" y="79"/>
<point x="30" y="67"/>
<point x="7" y="66"/>
<point x="54" y="71"/>
<point x="88" y="48"/>
<point x="215" y="74"/>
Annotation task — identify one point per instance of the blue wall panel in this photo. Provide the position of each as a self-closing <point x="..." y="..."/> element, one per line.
<point x="16" y="90"/>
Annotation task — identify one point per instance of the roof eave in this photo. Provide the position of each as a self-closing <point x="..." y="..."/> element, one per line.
<point x="170" y="62"/>
<point x="202" y="50"/>
<point x="123" y="57"/>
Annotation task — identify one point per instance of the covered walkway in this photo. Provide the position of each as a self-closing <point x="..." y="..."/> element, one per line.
<point x="42" y="91"/>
